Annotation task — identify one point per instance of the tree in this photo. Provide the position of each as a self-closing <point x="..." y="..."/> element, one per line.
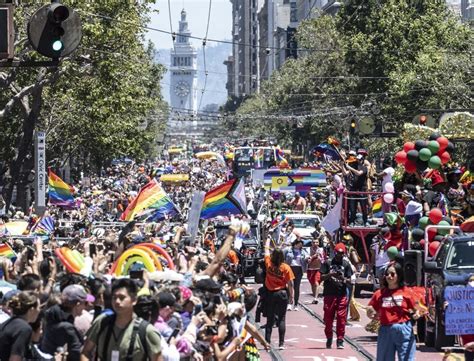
<point x="91" y="106"/>
<point x="394" y="55"/>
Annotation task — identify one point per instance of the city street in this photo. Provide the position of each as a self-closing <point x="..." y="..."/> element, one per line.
<point x="305" y="339"/>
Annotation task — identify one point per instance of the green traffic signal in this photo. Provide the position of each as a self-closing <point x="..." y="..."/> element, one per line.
<point x="57" y="45"/>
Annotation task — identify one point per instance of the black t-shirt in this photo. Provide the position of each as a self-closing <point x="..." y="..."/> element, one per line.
<point x="359" y="182"/>
<point x="15" y="338"/>
<point x="332" y="286"/>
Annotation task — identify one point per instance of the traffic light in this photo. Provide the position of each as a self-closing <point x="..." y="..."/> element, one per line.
<point x="54" y="30"/>
<point x="7" y="36"/>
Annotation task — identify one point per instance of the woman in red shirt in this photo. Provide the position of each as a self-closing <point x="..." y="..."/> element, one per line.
<point x="279" y="285"/>
<point x="394" y="306"/>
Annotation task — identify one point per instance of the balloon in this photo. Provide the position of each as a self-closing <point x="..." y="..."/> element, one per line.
<point x="410" y="166"/>
<point x="438" y="238"/>
<point x="401" y="157"/>
<point x="445" y="157"/>
<point x="389" y="188"/>
<point x="443" y="232"/>
<point x="435" y="136"/>
<point x="450" y="148"/>
<point x="392" y="252"/>
<point x="388" y="198"/>
<point x="447" y="219"/>
<point x="434" y="162"/>
<point x="391" y="217"/>
<point x="433" y="247"/>
<point x="432" y="232"/>
<point x="443" y="143"/>
<point x="422" y="243"/>
<point x="424" y="154"/>
<point x="423" y="222"/>
<point x="417" y="234"/>
<point x="420" y="165"/>
<point x="433" y="146"/>
<point x="408" y="146"/>
<point x="435" y="215"/>
<point x="420" y="144"/>
<point x="412" y="155"/>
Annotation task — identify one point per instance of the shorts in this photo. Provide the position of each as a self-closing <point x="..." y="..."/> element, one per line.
<point x="314" y="276"/>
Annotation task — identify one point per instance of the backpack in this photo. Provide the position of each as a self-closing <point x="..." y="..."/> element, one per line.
<point x="139" y="328"/>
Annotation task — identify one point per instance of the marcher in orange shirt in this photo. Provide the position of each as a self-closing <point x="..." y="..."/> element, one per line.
<point x="279" y="284"/>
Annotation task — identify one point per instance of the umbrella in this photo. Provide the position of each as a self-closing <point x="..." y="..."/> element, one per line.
<point x="468" y="225"/>
<point x="16" y="228"/>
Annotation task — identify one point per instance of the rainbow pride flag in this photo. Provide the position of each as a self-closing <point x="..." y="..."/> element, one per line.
<point x="224" y="200"/>
<point x="6" y="251"/>
<point x="43" y="227"/>
<point x="377" y="205"/>
<point x="153" y="202"/>
<point x="60" y="193"/>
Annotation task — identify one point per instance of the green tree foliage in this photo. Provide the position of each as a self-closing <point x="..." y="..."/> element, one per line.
<point x="398" y="55"/>
<point x="102" y="102"/>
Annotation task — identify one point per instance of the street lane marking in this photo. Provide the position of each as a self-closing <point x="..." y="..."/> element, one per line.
<point x="293" y="325"/>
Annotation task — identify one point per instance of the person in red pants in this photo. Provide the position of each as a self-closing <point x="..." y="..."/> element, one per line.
<point x="336" y="274"/>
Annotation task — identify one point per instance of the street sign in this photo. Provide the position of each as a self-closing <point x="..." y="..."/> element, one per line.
<point x="40" y="173"/>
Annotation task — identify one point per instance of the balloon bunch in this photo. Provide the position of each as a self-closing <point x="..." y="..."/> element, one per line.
<point x="422" y="154"/>
<point x="435" y="235"/>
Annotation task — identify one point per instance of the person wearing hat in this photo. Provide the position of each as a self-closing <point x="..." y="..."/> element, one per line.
<point x="59" y="328"/>
<point x="336" y="275"/>
<point x="436" y="198"/>
<point x="413" y="209"/>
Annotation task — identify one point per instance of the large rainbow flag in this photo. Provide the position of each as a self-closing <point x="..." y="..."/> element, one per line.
<point x="60" y="193"/>
<point x="152" y="202"/>
<point x="377" y="205"/>
<point x="224" y="200"/>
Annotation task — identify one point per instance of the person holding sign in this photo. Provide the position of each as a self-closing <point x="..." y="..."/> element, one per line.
<point x="394" y="306"/>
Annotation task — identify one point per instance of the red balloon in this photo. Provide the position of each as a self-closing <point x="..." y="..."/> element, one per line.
<point x="400" y="157"/>
<point x="433" y="247"/>
<point x="443" y="143"/>
<point x="408" y="146"/>
<point x="432" y="232"/>
<point x="422" y="243"/>
<point x="436" y="215"/>
<point x="445" y="157"/>
<point x="410" y="166"/>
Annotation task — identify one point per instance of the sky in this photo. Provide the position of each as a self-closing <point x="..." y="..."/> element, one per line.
<point x="197" y="13"/>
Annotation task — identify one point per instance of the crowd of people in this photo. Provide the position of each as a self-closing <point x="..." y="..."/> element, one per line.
<point x="202" y="309"/>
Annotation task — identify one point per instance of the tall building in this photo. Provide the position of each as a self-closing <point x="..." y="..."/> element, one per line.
<point x="245" y="49"/>
<point x="467" y="10"/>
<point x="183" y="71"/>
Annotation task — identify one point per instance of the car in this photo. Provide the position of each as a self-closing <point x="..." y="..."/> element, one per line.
<point x="451" y="266"/>
<point x="305" y="224"/>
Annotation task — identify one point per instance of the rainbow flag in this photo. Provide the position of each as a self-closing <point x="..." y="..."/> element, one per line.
<point x="224" y="200"/>
<point x="6" y="251"/>
<point x="377" y="205"/>
<point x="152" y="201"/>
<point x="43" y="227"/>
<point x="60" y="193"/>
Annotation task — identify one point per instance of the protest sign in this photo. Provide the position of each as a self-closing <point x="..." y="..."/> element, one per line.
<point x="459" y="313"/>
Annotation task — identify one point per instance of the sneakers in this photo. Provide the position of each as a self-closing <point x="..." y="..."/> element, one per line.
<point x="329" y="343"/>
<point x="340" y="344"/>
<point x="289" y="307"/>
<point x="296" y="308"/>
<point x="282" y="346"/>
<point x="315" y="301"/>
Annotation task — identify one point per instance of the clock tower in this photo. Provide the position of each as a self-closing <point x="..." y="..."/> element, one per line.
<point x="183" y="71"/>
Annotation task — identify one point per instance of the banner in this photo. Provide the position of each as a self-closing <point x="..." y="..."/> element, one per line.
<point x="302" y="180"/>
<point x="459" y="313"/>
<point x="332" y="221"/>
